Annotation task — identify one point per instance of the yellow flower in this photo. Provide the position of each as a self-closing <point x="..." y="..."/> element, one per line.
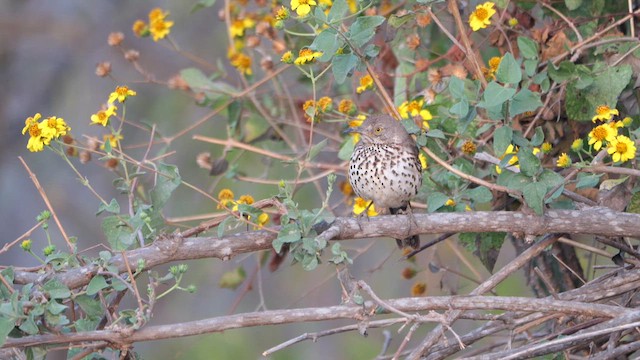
<point x="287" y="57"/>
<point x="302" y="7"/>
<point x="604" y="113"/>
<point x="366" y="83"/>
<point x="241" y="62"/>
<point x="414" y="108"/>
<point x="37" y="140"/>
<point x="121" y="93"/>
<point x="158" y="26"/>
<point x="479" y="19"/>
<point x="622" y="149"/>
<point x="450" y="202"/>
<point x="305" y="106"/>
<point x="157" y="14"/>
<point x="355" y="123"/>
<point x="140" y="28"/>
<point x="602" y="134"/>
<point x="513" y="22"/>
<point x="361" y="204"/>
<point x="102" y="116"/>
<point x="325" y="104"/>
<point x="31" y="120"/>
<point x="563" y="161"/>
<point x="263" y="219"/>
<point x="512" y="161"/>
<point x="346" y="106"/>
<point x="226" y="198"/>
<point x="576" y="145"/>
<point x="469" y="148"/>
<point x="494" y="62"/>
<point x="240" y="25"/>
<point x="627" y="121"/>
<point x="423" y="161"/>
<point x="353" y="6"/>
<point x="306" y="56"/>
<point x="244" y="199"/>
<point x="112" y="139"/>
<point x="546" y="147"/>
<point x="55" y="127"/>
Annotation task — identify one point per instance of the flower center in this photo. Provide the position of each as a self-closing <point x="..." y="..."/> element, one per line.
<point x="602" y="109"/>
<point x="482" y="14"/>
<point x="34" y="131"/>
<point x="621" y="147"/>
<point x="304" y="2"/>
<point x="600" y="133"/>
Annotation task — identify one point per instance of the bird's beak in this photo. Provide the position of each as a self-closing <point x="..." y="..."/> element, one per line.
<point x="351" y="130"/>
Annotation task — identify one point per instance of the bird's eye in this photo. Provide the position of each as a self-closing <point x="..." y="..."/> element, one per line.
<point x="377" y="130"/>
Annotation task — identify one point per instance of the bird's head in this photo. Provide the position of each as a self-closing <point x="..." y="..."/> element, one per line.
<point x="381" y="129"/>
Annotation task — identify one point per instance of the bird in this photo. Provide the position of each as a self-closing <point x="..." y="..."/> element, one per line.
<point x="385" y="168"/>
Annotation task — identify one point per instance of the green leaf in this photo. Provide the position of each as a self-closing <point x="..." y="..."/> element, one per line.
<point x="113" y="207"/>
<point x="310" y="262"/>
<point x="6" y="325"/>
<point x="56" y="289"/>
<point x="346" y="149"/>
<point x="581" y="104"/>
<point x="338" y="9"/>
<point x="479" y="194"/>
<point x="86" y="325"/>
<point x="168" y="180"/>
<point x="363" y="29"/>
<point x="234" y="110"/>
<point x="528" y="47"/>
<point x="29" y="325"/>
<point x="502" y="139"/>
<point x="328" y="42"/>
<point x="530" y="67"/>
<point x="435" y="201"/>
<point x="495" y="95"/>
<point x="456" y="87"/>
<point x="397" y="21"/>
<point x="198" y="81"/>
<point x="410" y="126"/>
<point x="96" y="284"/>
<point x="342" y="66"/>
<point x="202" y="4"/>
<point x="588" y="180"/>
<point x="55" y="307"/>
<point x="534" y="196"/>
<point x="90" y="305"/>
<point x="509" y="71"/>
<point x="436" y="133"/>
<point x="119" y="235"/>
<point x="538" y="136"/>
<point x="529" y="163"/>
<point x="523" y="101"/>
<point x="572" y="4"/>
<point x="232" y="279"/>
<point x="461" y="108"/>
<point x="315" y="149"/>
<point x="563" y="72"/>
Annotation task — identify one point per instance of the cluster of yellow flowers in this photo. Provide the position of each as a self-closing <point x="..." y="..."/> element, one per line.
<point x="227" y="200"/>
<point x="158" y="26"/>
<point x="102" y="116"/>
<point x="620" y="147"/>
<point x="305" y="56"/>
<point x="42" y="132"/>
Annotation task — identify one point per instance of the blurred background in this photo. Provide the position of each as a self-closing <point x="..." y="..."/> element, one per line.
<point x="48" y="56"/>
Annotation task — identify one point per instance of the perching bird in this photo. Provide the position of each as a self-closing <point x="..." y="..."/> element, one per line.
<point x="385" y="167"/>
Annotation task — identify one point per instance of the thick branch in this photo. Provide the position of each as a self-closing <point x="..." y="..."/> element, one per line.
<point x="597" y="221"/>
<point x="352" y="311"/>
